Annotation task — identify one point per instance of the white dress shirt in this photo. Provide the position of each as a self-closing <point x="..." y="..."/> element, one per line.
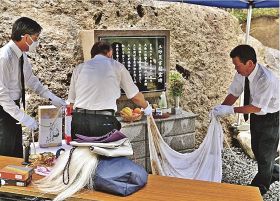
<point x="264" y="89"/>
<point x="95" y="84"/>
<point x="10" y="79"/>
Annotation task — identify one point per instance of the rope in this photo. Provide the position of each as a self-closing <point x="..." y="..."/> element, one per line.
<point x="66" y="168"/>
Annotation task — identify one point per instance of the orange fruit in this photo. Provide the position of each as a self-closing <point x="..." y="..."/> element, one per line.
<point x="137" y="110"/>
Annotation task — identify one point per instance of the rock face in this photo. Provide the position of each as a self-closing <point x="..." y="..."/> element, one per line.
<point x="201" y="39"/>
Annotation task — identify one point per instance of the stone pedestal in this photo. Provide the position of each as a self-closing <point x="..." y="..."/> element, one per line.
<point x="176" y="110"/>
<point x="177" y="130"/>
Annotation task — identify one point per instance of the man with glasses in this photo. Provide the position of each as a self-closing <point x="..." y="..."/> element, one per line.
<point x="15" y="75"/>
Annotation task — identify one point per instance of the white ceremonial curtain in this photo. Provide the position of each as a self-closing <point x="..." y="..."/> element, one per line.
<point x="205" y="163"/>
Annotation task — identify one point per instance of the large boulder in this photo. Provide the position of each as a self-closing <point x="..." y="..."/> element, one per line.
<point x="201" y="39"/>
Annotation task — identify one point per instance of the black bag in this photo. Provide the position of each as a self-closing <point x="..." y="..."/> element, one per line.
<point x="119" y="176"/>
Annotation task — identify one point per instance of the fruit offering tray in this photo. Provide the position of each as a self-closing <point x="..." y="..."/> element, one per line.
<point x="131" y="115"/>
<point x="134" y="117"/>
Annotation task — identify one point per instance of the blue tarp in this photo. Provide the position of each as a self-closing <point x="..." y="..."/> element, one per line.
<point x="233" y="4"/>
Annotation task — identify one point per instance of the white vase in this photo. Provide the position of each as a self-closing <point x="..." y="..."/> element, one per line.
<point x="177" y="101"/>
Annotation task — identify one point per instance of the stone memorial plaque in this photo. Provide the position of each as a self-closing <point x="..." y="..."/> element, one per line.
<point x="145" y="54"/>
<point x="144" y="57"/>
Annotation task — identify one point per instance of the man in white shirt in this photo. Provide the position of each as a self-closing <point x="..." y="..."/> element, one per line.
<point x="15" y="74"/>
<point x="263" y="107"/>
<point x="94" y="89"/>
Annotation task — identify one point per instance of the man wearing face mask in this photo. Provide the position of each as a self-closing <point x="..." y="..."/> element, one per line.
<point x="15" y="75"/>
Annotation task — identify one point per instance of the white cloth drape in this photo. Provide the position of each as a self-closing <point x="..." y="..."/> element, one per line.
<point x="205" y="163"/>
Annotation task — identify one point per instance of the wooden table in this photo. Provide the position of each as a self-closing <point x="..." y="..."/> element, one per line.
<point x="158" y="188"/>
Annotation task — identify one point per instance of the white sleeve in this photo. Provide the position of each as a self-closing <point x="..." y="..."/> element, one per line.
<point x="263" y="95"/>
<point x="31" y="81"/>
<point x="237" y="86"/>
<point x="72" y="87"/>
<point x="5" y="100"/>
<point x="127" y="84"/>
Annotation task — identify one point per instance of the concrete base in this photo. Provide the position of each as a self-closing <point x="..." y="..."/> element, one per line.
<point x="178" y="131"/>
<point x="176" y="110"/>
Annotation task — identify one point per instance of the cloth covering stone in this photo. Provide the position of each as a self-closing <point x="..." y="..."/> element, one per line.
<point x="205" y="163"/>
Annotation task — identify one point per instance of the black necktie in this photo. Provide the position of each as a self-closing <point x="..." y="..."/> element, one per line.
<point x="246" y="95"/>
<point x="22" y="81"/>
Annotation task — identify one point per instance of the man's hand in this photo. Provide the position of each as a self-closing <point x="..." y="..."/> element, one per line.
<point x="29" y="122"/>
<point x="148" y="110"/>
<point x="223" y="110"/>
<point x="57" y="102"/>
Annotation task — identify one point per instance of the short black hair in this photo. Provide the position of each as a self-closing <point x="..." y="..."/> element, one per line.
<point x="100" y="47"/>
<point x="24" y="25"/>
<point x="245" y="53"/>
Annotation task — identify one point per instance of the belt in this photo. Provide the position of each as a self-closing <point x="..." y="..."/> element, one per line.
<point x="102" y="112"/>
<point x="268" y="115"/>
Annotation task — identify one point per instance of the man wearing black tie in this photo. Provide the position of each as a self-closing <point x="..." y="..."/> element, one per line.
<point x="15" y="75"/>
<point x="261" y="101"/>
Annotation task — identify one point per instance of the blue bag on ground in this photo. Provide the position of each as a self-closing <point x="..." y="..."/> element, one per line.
<point x="119" y="176"/>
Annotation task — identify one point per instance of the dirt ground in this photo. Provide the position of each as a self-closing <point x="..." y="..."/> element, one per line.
<point x="266" y="30"/>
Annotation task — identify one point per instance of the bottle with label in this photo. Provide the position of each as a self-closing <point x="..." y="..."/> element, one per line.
<point x="162" y="101"/>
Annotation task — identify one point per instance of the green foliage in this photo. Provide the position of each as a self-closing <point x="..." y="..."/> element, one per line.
<point x="176" y="83"/>
<point x="241" y="14"/>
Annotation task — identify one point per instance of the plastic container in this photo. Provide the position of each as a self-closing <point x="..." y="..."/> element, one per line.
<point x="162" y="102"/>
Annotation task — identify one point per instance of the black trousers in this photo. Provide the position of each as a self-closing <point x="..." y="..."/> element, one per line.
<point x="10" y="136"/>
<point x="264" y="141"/>
<point x="93" y="125"/>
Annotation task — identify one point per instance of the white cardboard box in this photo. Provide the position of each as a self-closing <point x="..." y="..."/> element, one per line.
<point x="50" y="126"/>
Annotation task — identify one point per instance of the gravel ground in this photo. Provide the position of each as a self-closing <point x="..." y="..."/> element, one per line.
<point x="238" y="168"/>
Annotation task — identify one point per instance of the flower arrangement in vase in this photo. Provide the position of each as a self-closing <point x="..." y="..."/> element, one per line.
<point x="176" y="86"/>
